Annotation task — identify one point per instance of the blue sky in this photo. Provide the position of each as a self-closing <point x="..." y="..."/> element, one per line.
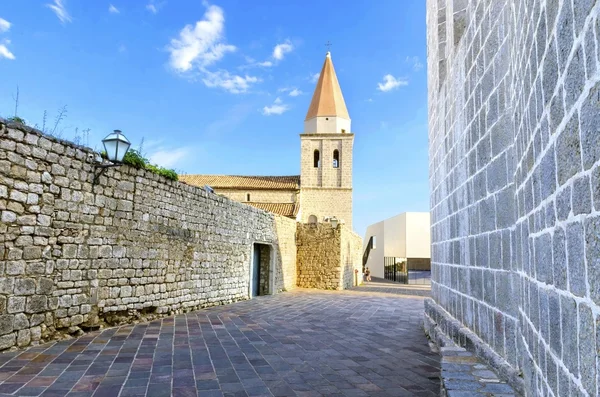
<point x="223" y="87"/>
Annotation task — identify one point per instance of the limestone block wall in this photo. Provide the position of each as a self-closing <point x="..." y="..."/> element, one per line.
<point x="260" y="196"/>
<point x="323" y="202"/>
<point x="351" y="252"/>
<point x="74" y="255"/>
<point x="285" y="276"/>
<point x="514" y="100"/>
<point x="327" y="257"/>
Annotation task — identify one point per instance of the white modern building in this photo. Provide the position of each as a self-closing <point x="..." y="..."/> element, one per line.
<point x="403" y="238"/>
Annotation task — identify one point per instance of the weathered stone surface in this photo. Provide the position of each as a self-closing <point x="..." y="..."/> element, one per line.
<point x="547" y="197"/>
<point x="134" y="243"/>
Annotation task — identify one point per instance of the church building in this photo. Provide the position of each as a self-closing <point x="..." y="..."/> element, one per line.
<point x="323" y="190"/>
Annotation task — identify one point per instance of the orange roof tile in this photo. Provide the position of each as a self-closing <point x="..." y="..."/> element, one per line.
<point x="291" y="182"/>
<point x="286" y="209"/>
<point x="327" y="99"/>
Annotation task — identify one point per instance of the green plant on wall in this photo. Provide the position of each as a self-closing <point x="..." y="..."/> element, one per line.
<point x="16" y="119"/>
<point x="135" y="159"/>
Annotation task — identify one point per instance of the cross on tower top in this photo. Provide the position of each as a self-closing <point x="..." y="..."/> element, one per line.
<point x="328" y="45"/>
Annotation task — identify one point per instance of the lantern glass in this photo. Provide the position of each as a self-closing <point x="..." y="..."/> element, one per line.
<point x="334" y="222"/>
<point x="116" y="145"/>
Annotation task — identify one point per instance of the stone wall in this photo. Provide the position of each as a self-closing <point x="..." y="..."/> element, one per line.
<point x="326" y="191"/>
<point x="514" y="90"/>
<point x="327" y="257"/>
<point x="325" y="203"/>
<point x="351" y="251"/>
<point x="260" y="196"/>
<point x="76" y="256"/>
<point x="285" y="276"/>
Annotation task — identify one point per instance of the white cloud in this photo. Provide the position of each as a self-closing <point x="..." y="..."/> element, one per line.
<point x="383" y="125"/>
<point x="200" y="45"/>
<point x="169" y="157"/>
<point x="292" y="91"/>
<point x="370" y="100"/>
<point x="416" y="63"/>
<point x="281" y="49"/>
<point x="153" y="6"/>
<point x="232" y="83"/>
<point x="266" y="64"/>
<point x="4" y="25"/>
<point x="122" y="48"/>
<point x="390" y="82"/>
<point x="4" y="51"/>
<point x="278" y="107"/>
<point x="314" y="77"/>
<point x="113" y="10"/>
<point x="60" y="10"/>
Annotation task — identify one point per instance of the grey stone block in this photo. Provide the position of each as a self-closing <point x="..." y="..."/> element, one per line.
<point x="587" y="349"/>
<point x="489" y="285"/>
<point x="495" y="250"/>
<point x="563" y="204"/>
<point x="543" y="258"/>
<point x="476" y="283"/>
<point x="548" y="174"/>
<point x="497" y="177"/>
<point x="590" y="52"/>
<point x="570" y="351"/>
<point x="557" y="110"/>
<point x="574" y="79"/>
<point x="576" y="259"/>
<point x="550" y="72"/>
<point x="564" y="33"/>
<point x="568" y="150"/>
<point x="505" y="207"/>
<point x="559" y="263"/>
<point x="581" y="9"/>
<point x="592" y="253"/>
<point x="581" y="199"/>
<point x="590" y="127"/>
<point x="596" y="188"/>
<point x="554" y="324"/>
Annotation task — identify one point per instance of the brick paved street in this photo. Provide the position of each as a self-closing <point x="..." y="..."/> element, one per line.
<point x="300" y="343"/>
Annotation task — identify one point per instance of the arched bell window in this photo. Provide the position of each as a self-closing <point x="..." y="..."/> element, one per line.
<point x="317" y="159"/>
<point x="336" y="158"/>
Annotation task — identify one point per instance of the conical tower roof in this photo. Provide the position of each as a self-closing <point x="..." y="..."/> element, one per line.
<point x="327" y="99"/>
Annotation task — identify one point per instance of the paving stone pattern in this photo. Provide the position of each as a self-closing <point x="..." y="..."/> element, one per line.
<point x="302" y="343"/>
<point x="388" y="287"/>
<point x="514" y="100"/>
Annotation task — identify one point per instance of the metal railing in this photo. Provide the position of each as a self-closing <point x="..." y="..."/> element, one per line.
<point x="366" y="253"/>
<point x="405" y="272"/>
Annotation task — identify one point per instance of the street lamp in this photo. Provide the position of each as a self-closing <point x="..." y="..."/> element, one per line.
<point x="116" y="146"/>
<point x="334" y="222"/>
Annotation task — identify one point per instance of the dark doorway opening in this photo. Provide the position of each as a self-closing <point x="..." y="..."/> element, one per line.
<point x="261" y="270"/>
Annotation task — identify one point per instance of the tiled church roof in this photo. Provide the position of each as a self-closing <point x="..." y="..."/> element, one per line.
<point x="327" y="99"/>
<point x="285" y="209"/>
<point x="243" y="182"/>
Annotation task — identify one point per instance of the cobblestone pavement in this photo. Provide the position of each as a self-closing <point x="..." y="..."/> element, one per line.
<point x="390" y="287"/>
<point x="300" y="343"/>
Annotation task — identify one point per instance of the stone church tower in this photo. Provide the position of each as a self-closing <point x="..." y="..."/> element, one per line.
<point x="326" y="153"/>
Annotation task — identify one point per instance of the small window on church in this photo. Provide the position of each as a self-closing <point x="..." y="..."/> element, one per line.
<point x="247" y="196"/>
<point x="343" y="131"/>
<point x="317" y="159"/>
<point x="336" y="158"/>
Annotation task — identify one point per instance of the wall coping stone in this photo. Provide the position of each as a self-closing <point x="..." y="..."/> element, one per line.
<point x="5" y="126"/>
